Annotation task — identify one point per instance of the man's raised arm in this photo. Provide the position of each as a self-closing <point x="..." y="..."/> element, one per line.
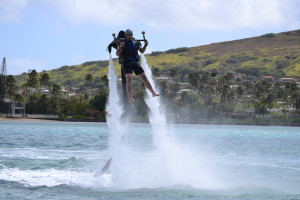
<point x="142" y="50"/>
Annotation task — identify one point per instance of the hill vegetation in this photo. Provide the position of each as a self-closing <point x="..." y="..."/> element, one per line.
<point x="270" y="54"/>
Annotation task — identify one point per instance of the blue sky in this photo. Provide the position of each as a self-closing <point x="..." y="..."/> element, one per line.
<point x="47" y="34"/>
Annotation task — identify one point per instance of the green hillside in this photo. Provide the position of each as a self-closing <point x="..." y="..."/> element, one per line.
<point x="271" y="54"/>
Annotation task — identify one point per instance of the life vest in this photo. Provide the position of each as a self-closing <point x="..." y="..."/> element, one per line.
<point x="130" y="51"/>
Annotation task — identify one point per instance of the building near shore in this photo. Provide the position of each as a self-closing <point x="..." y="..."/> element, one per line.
<point x="287" y="80"/>
<point x="268" y="78"/>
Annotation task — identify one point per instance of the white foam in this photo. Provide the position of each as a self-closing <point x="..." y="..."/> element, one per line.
<point x="52" y="177"/>
<point x="47" y="154"/>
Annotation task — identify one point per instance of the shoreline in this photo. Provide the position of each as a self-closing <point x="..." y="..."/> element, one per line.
<point x="295" y="124"/>
<point x="26" y="119"/>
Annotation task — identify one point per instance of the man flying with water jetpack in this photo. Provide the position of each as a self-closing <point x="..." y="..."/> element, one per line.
<point x="128" y="50"/>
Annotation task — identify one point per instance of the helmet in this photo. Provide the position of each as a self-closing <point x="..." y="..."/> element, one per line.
<point x="128" y="32"/>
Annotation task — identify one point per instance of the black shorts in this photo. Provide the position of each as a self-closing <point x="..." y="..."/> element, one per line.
<point x="132" y="66"/>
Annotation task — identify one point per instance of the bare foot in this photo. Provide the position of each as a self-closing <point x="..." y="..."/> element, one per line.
<point x="131" y="100"/>
<point x="155" y="95"/>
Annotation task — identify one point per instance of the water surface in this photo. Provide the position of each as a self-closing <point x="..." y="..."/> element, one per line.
<point x="58" y="160"/>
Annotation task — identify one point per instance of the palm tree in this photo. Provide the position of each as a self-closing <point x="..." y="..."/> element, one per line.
<point x="240" y="91"/>
<point x="54" y="103"/>
<point x="193" y="80"/>
<point x="270" y="101"/>
<point x="248" y="86"/>
<point x="293" y="93"/>
<point x="203" y="80"/>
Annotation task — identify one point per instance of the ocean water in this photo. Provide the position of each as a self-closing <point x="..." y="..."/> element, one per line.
<point x="58" y="160"/>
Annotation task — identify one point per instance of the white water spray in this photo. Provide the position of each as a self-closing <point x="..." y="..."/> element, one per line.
<point x="178" y="163"/>
<point x="170" y="163"/>
<point x="113" y="107"/>
<point x="114" y="112"/>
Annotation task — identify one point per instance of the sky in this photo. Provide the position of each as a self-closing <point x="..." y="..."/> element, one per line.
<point x="48" y="34"/>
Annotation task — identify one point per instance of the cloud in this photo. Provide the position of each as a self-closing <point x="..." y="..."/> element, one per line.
<point x="189" y="15"/>
<point x="20" y="65"/>
<point x="10" y="10"/>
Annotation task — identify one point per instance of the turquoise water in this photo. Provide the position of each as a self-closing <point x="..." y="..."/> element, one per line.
<point x="58" y="160"/>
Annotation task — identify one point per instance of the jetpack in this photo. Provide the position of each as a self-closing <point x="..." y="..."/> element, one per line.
<point x="120" y="38"/>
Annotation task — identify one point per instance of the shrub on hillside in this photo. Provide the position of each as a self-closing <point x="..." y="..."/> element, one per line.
<point x="280" y="64"/>
<point x="252" y="70"/>
<point x="269" y="35"/>
<point x="89" y="63"/>
<point x="156" y="53"/>
<point x="178" y="50"/>
<point x="63" y="68"/>
<point x="242" y="57"/>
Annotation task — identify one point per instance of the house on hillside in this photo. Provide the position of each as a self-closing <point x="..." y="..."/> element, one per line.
<point x="44" y="90"/>
<point x="185" y="90"/>
<point x="183" y="85"/>
<point x="268" y="78"/>
<point x="163" y="78"/>
<point x="287" y="80"/>
<point x="236" y="75"/>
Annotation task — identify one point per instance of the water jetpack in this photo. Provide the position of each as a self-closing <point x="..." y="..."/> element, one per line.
<point x="120" y="38"/>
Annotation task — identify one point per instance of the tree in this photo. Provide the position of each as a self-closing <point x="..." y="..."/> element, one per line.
<point x="260" y="92"/>
<point x="174" y="88"/>
<point x="224" y="90"/>
<point x="270" y="101"/>
<point x="173" y="74"/>
<point x="203" y="80"/>
<point x="11" y="88"/>
<point x="240" y="91"/>
<point x="3" y="81"/>
<point x="55" y="90"/>
<point x="44" y="80"/>
<point x="193" y="80"/>
<point x="32" y="80"/>
<point x="99" y="101"/>
<point x="89" y="79"/>
<point x="43" y="104"/>
<point x="104" y="80"/>
<point x="156" y="72"/>
<point x="248" y="86"/>
<point x="164" y="89"/>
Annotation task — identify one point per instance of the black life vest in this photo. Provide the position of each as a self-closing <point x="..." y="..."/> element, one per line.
<point x="130" y="51"/>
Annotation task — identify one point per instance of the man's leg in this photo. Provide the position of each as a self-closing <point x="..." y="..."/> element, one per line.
<point x="144" y="78"/>
<point x="129" y="86"/>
